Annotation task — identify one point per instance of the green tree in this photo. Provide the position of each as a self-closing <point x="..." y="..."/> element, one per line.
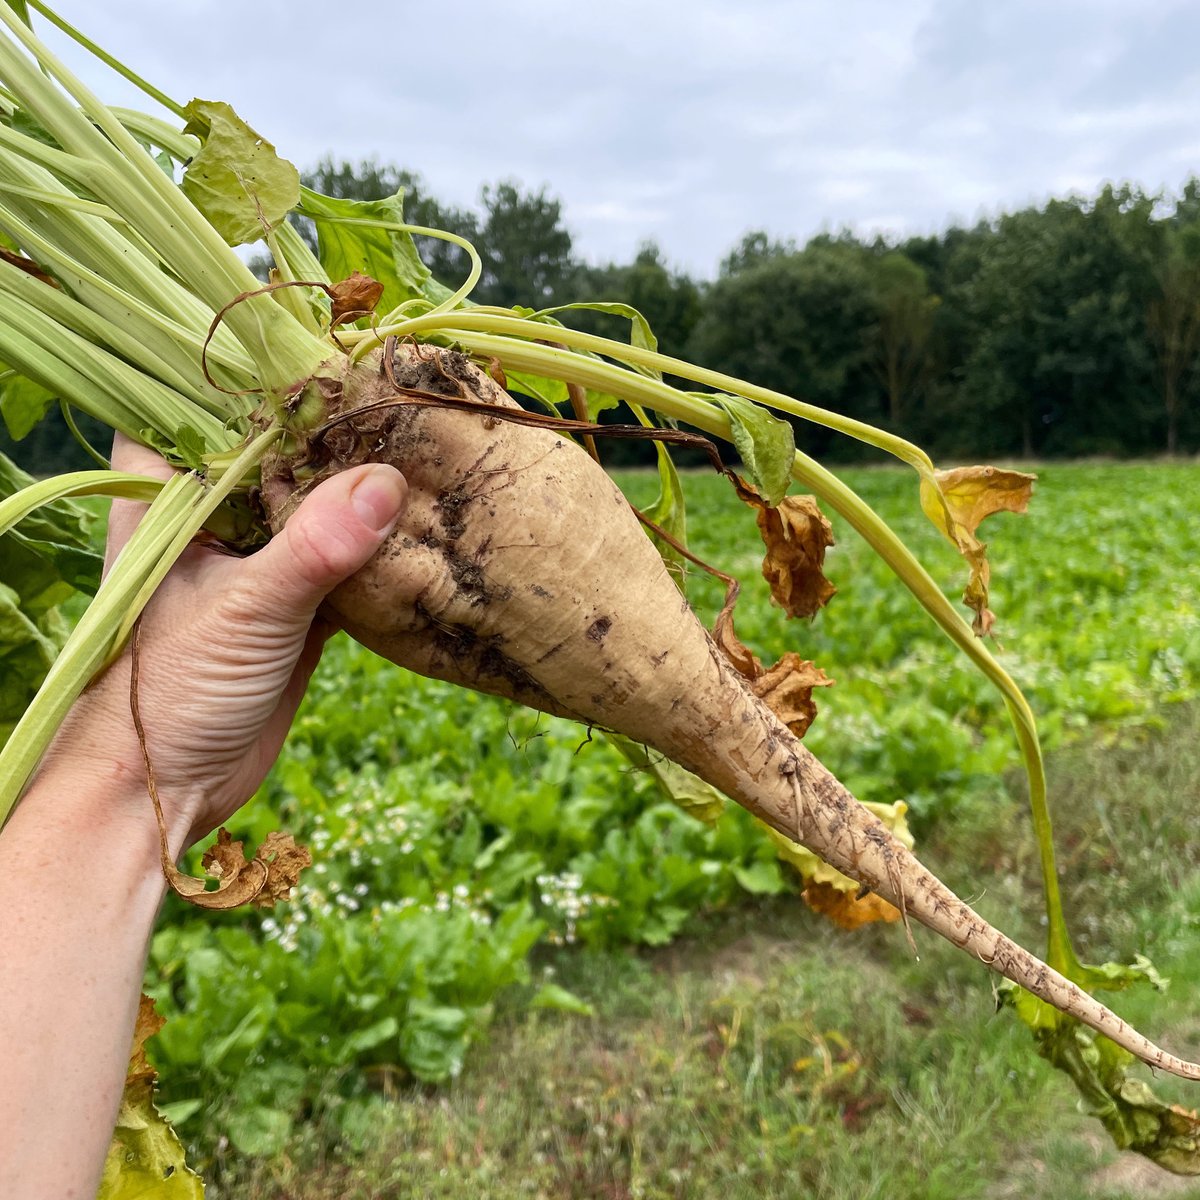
<point x="798" y="323"/>
<point x="755" y="248"/>
<point x="1173" y="318"/>
<point x="526" y="248"/>
<point x="900" y="338"/>
<point x="669" y="300"/>
<point x="1055" y="355"/>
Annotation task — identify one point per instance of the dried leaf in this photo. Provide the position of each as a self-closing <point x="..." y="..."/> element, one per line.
<point x="262" y="880"/>
<point x="796" y="534"/>
<point x="28" y="266"/>
<point x="735" y="650"/>
<point x="354" y="297"/>
<point x="148" y="1023"/>
<point x="240" y="880"/>
<point x="848" y="910"/>
<point x="786" y="689"/>
<point x="284" y="861"/>
<point x="225" y="857"/>
<point x="973" y="493"/>
<point x="962" y="498"/>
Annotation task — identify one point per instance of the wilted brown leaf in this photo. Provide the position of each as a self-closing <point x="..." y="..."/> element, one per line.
<point x="225" y="858"/>
<point x="262" y="880"/>
<point x="147" y="1025"/>
<point x="962" y="498"/>
<point x="354" y="297"/>
<point x="284" y="861"/>
<point x="743" y="659"/>
<point x="239" y="879"/>
<point x="847" y="910"/>
<point x="796" y="534"/>
<point x="28" y="266"/>
<point x="786" y="689"/>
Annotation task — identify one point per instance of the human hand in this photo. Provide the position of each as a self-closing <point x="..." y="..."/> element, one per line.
<point x="226" y="650"/>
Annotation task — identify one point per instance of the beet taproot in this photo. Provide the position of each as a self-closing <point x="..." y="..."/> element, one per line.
<point x="519" y="569"/>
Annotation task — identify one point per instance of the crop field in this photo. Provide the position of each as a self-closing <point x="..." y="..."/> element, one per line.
<point x="483" y="873"/>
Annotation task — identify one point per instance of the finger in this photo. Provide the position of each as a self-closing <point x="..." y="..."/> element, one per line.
<point x="334" y="532"/>
<point x="123" y="517"/>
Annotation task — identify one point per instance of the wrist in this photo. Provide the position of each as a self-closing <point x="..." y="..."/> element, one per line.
<point x="102" y="803"/>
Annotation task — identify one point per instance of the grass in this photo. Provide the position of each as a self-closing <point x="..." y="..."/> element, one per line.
<point x="768" y="1055"/>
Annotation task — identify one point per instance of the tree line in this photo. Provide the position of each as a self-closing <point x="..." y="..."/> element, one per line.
<point x="1065" y="330"/>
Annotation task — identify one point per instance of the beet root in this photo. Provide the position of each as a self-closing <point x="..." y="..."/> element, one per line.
<point x="519" y="569"/>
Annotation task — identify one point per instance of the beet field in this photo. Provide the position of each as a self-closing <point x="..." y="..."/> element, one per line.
<point x="518" y="968"/>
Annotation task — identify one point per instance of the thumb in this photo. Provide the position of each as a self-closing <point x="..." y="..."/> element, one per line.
<point x="330" y="536"/>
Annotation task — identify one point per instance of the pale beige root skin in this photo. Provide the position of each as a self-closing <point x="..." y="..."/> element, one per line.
<point x="519" y="569"/>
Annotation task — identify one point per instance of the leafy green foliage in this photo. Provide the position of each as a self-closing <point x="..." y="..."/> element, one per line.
<point x="386" y="255"/>
<point x="448" y="843"/>
<point x="765" y="444"/>
<point x="806" y="1061"/>
<point x="23" y="403"/>
<point x="237" y="180"/>
<point x="48" y="559"/>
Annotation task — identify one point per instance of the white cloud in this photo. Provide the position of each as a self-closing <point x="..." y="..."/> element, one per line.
<point x="693" y="122"/>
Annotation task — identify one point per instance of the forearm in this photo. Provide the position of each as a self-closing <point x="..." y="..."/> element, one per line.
<point x="80" y="886"/>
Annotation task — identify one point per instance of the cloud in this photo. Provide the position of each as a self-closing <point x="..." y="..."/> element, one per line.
<point x="694" y="122"/>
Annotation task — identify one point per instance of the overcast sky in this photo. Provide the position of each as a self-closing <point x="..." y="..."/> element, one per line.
<point x="693" y="122"/>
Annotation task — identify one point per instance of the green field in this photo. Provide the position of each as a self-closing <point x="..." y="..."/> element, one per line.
<point x="483" y="869"/>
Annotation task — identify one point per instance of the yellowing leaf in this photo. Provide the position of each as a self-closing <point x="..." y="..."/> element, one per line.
<point x="848" y="910"/>
<point x="1135" y="1118"/>
<point x="689" y="792"/>
<point x="145" y="1159"/>
<point x="236" y="179"/>
<point x="796" y="534"/>
<point x="962" y="498"/>
<point x="825" y="884"/>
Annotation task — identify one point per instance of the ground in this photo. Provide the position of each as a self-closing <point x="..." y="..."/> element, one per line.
<point x="766" y="1054"/>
